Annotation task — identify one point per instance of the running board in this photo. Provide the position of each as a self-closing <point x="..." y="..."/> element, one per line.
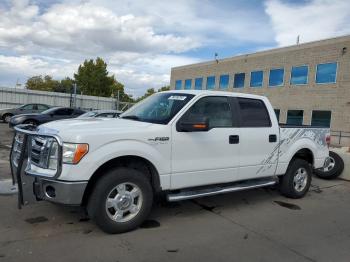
<point x="221" y="189"/>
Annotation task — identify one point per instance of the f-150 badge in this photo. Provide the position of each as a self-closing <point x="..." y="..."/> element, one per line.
<point x="160" y="139"/>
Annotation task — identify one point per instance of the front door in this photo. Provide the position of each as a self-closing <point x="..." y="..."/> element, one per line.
<point x="206" y="157"/>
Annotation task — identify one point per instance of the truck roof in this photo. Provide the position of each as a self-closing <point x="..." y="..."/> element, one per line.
<point x="216" y="93"/>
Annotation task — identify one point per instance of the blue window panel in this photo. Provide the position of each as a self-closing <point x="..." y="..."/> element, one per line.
<point x="239" y="80"/>
<point x="188" y="84"/>
<point x="178" y="84"/>
<point x="299" y="75"/>
<point x="321" y="118"/>
<point x="276" y="77"/>
<point x="198" y="83"/>
<point x="210" y="82"/>
<point x="224" y="79"/>
<point x="256" y="78"/>
<point x="326" y="73"/>
<point x="295" y="117"/>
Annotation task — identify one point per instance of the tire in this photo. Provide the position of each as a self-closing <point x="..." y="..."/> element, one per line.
<point x="122" y="212"/>
<point x="290" y="185"/>
<point x="6" y="118"/>
<point x="31" y="122"/>
<point x="333" y="170"/>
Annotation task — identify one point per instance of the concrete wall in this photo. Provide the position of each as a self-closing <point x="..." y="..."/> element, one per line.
<point x="331" y="97"/>
<point x="11" y="97"/>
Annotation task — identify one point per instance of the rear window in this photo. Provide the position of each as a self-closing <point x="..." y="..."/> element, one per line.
<point x="253" y="113"/>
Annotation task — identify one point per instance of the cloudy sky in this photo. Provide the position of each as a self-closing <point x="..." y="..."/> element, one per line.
<point x="141" y="40"/>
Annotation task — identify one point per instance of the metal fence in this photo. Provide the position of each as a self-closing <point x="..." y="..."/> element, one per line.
<point x="11" y="97"/>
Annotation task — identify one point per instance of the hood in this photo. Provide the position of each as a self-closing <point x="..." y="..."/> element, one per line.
<point x="81" y="126"/>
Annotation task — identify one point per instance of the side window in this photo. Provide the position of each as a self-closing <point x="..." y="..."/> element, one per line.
<point x="27" y="107"/>
<point x="215" y="108"/>
<point x="253" y="113"/>
<point x="35" y="107"/>
<point x="42" y="107"/>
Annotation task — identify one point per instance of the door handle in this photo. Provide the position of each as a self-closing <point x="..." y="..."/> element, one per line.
<point x="234" y="139"/>
<point x="272" y="138"/>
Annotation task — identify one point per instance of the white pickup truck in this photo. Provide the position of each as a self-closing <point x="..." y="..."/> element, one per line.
<point x="183" y="144"/>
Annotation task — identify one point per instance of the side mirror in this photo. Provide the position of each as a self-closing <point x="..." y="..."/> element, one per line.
<point x="195" y="125"/>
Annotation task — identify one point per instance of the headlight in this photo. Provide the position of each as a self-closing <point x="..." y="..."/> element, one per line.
<point x="73" y="153"/>
<point x="53" y="156"/>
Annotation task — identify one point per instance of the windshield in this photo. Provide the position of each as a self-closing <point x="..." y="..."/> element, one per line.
<point x="159" y="108"/>
<point x="49" y="111"/>
<point x="89" y="114"/>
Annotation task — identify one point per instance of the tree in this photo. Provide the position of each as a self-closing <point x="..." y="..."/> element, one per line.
<point x="66" y="86"/>
<point x="119" y="87"/>
<point x="149" y="92"/>
<point x="45" y="83"/>
<point x="164" y="88"/>
<point x="92" y="78"/>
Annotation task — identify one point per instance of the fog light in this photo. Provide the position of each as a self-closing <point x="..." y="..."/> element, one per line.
<point x="50" y="192"/>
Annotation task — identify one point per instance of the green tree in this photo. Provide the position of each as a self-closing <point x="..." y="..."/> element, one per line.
<point x="46" y="83"/>
<point x="164" y="88"/>
<point x="92" y="78"/>
<point x="123" y="97"/>
<point x="149" y="92"/>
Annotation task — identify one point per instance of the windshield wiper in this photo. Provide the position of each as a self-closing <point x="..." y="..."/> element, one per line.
<point x="132" y="117"/>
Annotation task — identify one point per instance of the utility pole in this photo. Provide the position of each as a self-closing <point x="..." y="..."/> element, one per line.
<point x="118" y="99"/>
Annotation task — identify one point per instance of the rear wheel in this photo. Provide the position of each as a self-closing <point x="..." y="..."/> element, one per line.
<point x="334" y="168"/>
<point x="121" y="200"/>
<point x="297" y="180"/>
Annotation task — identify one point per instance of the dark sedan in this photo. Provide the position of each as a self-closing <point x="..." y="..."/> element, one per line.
<point x="52" y="114"/>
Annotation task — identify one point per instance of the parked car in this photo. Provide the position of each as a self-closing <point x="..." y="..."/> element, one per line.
<point x="182" y="144"/>
<point x="101" y="113"/>
<point x="7" y="113"/>
<point x="52" y="114"/>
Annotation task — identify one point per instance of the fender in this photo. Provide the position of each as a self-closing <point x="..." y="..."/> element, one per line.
<point x="158" y="154"/>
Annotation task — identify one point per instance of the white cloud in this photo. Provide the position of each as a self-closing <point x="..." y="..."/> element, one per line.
<point x="85" y="28"/>
<point x="140" y="40"/>
<point x="313" y="20"/>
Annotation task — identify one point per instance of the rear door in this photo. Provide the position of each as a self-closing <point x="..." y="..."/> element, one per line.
<point x="209" y="157"/>
<point x="258" y="139"/>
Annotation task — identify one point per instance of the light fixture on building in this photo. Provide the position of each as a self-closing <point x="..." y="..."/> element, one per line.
<point x="343" y="51"/>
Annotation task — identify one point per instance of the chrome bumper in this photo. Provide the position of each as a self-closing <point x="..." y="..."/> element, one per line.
<point x="34" y="186"/>
<point x="62" y="192"/>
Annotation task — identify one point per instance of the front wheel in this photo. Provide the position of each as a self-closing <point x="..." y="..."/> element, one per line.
<point x="7" y="118"/>
<point x="121" y="200"/>
<point x="297" y="180"/>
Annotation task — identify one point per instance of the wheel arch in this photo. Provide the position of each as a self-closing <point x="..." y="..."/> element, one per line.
<point x="130" y="161"/>
<point x="305" y="154"/>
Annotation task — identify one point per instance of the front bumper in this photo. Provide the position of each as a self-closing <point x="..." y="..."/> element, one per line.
<point x="34" y="185"/>
<point x="62" y="192"/>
